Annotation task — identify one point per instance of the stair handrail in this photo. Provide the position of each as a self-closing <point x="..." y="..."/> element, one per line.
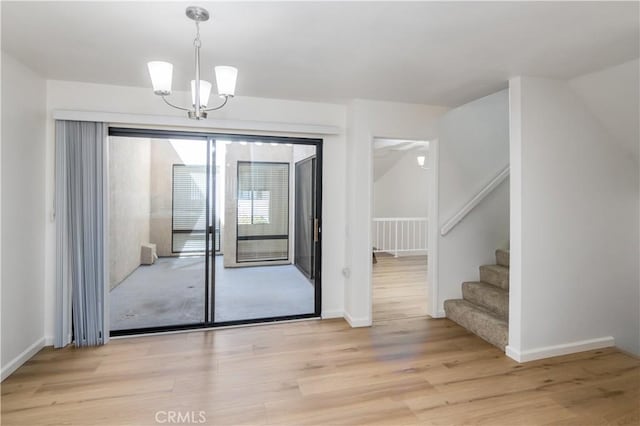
<point x="475" y="200"/>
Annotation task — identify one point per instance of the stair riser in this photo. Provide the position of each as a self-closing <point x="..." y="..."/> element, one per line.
<point x="502" y="258"/>
<point x="494" y="301"/>
<point x="478" y="322"/>
<point x="499" y="278"/>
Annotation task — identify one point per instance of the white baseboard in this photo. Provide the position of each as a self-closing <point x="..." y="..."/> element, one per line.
<point x="25" y="356"/>
<point x="439" y="314"/>
<point x="48" y="340"/>
<point x="332" y="314"/>
<point x="558" y="350"/>
<point x="357" y="322"/>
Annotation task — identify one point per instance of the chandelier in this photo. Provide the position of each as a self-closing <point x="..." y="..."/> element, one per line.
<point x="162" y="72"/>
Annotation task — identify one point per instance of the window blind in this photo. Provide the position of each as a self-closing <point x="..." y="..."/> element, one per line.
<point x="262" y="211"/>
<point x="189" y="208"/>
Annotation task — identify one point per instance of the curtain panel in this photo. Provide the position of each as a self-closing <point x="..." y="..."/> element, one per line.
<point x="80" y="207"/>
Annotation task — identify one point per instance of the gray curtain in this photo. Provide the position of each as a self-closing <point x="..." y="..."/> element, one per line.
<point x="80" y="232"/>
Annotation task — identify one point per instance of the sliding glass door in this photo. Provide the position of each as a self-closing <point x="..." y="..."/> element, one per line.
<point x="209" y="230"/>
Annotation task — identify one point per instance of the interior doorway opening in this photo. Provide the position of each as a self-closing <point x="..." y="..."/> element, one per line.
<point x="400" y="228"/>
<point x="210" y="229"/>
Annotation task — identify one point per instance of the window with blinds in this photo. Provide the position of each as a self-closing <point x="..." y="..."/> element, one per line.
<point x="262" y="211"/>
<point x="189" y="208"/>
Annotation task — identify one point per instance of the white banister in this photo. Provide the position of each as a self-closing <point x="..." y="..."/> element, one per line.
<point x="400" y="234"/>
<point x="473" y="202"/>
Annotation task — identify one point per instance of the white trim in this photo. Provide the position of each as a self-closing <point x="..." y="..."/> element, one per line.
<point x="439" y="314"/>
<point x="473" y="202"/>
<point x="433" y="308"/>
<point x="332" y="314"/>
<point x="25" y="356"/>
<point x="558" y="350"/>
<point x="357" y="322"/>
<point x="48" y="340"/>
<point x="168" y="120"/>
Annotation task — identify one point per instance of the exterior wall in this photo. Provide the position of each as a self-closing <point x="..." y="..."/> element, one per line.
<point x="129" y="204"/>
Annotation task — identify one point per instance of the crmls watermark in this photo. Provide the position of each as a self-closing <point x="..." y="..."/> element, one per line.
<point x="180" y="417"/>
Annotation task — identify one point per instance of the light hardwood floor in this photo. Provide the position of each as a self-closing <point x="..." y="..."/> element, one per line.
<point x="399" y="287"/>
<point x="408" y="371"/>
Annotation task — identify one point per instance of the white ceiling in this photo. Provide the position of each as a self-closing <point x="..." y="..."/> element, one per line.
<point x="424" y="52"/>
<point x="387" y="152"/>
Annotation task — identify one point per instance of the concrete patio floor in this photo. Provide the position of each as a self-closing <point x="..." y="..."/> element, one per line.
<point x="171" y="292"/>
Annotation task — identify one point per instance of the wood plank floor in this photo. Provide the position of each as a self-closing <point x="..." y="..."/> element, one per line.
<point x="399" y="287"/>
<point x="401" y="372"/>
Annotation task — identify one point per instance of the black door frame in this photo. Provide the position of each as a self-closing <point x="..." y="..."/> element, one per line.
<point x="313" y="160"/>
<point x="210" y="138"/>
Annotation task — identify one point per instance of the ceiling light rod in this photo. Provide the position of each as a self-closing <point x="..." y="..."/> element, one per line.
<point x="162" y="73"/>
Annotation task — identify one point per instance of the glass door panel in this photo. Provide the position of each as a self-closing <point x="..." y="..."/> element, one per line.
<point x="256" y="276"/>
<point x="157" y="228"/>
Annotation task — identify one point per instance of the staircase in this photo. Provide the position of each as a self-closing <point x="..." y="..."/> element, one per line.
<point x="484" y="307"/>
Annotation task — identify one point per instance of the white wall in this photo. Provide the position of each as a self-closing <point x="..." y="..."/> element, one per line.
<point x="65" y="95"/>
<point x="23" y="213"/>
<point x="402" y="190"/>
<point x="473" y="148"/>
<point x="575" y="207"/>
<point x="366" y="120"/>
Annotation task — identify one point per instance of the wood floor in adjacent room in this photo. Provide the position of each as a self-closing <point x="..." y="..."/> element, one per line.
<point x="399" y="287"/>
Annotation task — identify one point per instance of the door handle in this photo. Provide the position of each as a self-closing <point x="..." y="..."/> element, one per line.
<point x="316" y="230"/>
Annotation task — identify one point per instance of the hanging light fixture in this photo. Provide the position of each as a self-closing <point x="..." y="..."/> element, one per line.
<point x="162" y="72"/>
<point x="420" y="159"/>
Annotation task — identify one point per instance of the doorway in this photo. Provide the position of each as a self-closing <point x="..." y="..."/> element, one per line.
<point x="399" y="229"/>
<point x="203" y="230"/>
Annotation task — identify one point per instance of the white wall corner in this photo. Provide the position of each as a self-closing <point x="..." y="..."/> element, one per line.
<point x="357" y="322"/>
<point x="439" y="314"/>
<point x="559" y="350"/>
<point x="25" y="356"/>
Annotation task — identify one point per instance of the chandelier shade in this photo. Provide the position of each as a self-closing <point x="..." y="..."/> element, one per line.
<point x="226" y="80"/>
<point x="161" y="74"/>
<point x="205" y="92"/>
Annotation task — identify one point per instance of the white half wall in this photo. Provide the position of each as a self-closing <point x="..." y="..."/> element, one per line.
<point x="367" y="120"/>
<point x="473" y="149"/>
<point x="23" y="213"/>
<point x="66" y="95"/>
<point x="575" y="208"/>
